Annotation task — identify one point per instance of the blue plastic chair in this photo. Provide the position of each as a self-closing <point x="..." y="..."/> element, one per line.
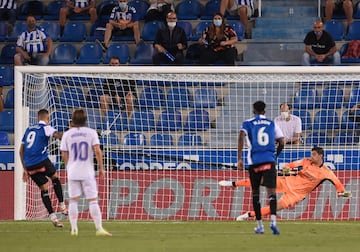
<point x="197" y="119"/>
<point x="143" y="55"/>
<point x="105" y="7"/>
<point x="306" y="98"/>
<point x="189" y="10"/>
<point x="72" y="97"/>
<point x="3" y="31"/>
<point x="52" y="29"/>
<point x="4" y="138"/>
<point x="111" y="139"/>
<point x="199" y="29"/>
<point x="346" y="138"/>
<point x="34" y="7"/>
<point x="150" y="29"/>
<point x="326" y="119"/>
<point x="134" y="139"/>
<point x="211" y="7"/>
<point x="7" y="54"/>
<point x="179" y="98"/>
<point x="9" y="100"/>
<point x="90" y="54"/>
<point x="354" y="31"/>
<point x="332" y="98"/>
<point x="140" y="6"/>
<point x="18" y="29"/>
<point x="239" y="28"/>
<point x="7" y="120"/>
<point x="346" y="123"/>
<point x="354" y="97"/>
<point x="120" y="50"/>
<point x="152" y="98"/>
<point x="142" y="120"/>
<point x="93" y="118"/>
<point x="60" y="119"/>
<point x="305" y="118"/>
<point x="335" y="28"/>
<point x="116" y="120"/>
<point x="74" y="32"/>
<point x="64" y="54"/>
<point x="190" y="140"/>
<point x="7" y="75"/>
<point x="205" y="98"/>
<point x="53" y="10"/>
<point x="317" y="139"/>
<point x="158" y="139"/>
<point x="186" y="25"/>
<point x="169" y="120"/>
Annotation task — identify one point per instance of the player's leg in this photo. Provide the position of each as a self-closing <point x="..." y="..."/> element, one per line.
<point x="348" y="9"/>
<point x="74" y="189"/>
<point x="51" y="173"/>
<point x="242" y="182"/>
<point x="91" y="194"/>
<point x="270" y="184"/>
<point x="329" y="9"/>
<point x="255" y="178"/>
<point x="64" y="11"/>
<point x="93" y="15"/>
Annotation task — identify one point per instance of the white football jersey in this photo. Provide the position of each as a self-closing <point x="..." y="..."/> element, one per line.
<point x="79" y="142"/>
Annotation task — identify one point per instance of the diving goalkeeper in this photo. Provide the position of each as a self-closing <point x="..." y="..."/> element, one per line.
<point x="296" y="188"/>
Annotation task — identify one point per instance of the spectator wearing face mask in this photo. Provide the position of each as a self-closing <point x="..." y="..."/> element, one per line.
<point x="218" y="42"/>
<point x="289" y="124"/>
<point x="170" y="43"/>
<point x="33" y="45"/>
<point x="320" y="47"/>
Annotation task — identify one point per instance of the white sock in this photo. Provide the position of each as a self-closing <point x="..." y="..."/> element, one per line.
<point x="95" y="214"/>
<point x="273" y="219"/>
<point x="73" y="214"/>
<point x="259" y="223"/>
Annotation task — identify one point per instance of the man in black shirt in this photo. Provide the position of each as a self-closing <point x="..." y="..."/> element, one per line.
<point x="320" y="47"/>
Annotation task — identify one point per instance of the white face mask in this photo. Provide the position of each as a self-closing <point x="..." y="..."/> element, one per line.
<point x="284" y="115"/>
<point x="171" y="24"/>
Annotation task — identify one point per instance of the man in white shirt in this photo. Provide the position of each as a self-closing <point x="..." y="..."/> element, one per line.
<point x="289" y="124"/>
<point x="78" y="146"/>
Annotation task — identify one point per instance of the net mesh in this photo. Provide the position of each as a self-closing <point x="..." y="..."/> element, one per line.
<point x="166" y="154"/>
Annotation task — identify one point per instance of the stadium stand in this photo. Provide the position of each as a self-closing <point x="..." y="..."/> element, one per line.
<point x="354" y="31"/>
<point x="134" y="139"/>
<point x="158" y="139"/>
<point x="332" y="98"/>
<point x="3" y="31"/>
<point x="143" y="54"/>
<point x="335" y="28"/>
<point x="197" y="119"/>
<point x="9" y="100"/>
<point x="189" y="10"/>
<point x="169" y="120"/>
<point x="4" y="138"/>
<point x="305" y="118"/>
<point x="143" y="120"/>
<point x="120" y="50"/>
<point x="7" y="75"/>
<point x="190" y="140"/>
<point x="115" y="120"/>
<point x="64" y="53"/>
<point x="152" y="97"/>
<point x="7" y="54"/>
<point x="90" y="53"/>
<point x="52" y="29"/>
<point x="210" y="8"/>
<point x="150" y="29"/>
<point x="7" y="120"/>
<point x="345" y="138"/>
<point x="53" y="10"/>
<point x="74" y="32"/>
<point x="179" y="98"/>
<point x="61" y="119"/>
<point x="326" y="119"/>
<point x="141" y="7"/>
<point x="36" y="8"/>
<point x="306" y="98"/>
<point x="318" y="139"/>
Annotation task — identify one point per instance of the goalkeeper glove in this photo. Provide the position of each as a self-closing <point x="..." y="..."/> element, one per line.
<point x="345" y="194"/>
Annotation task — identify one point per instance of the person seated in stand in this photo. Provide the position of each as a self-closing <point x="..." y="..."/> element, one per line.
<point x="8" y="10"/>
<point x="289" y="124"/>
<point x="244" y="8"/>
<point x="158" y="10"/>
<point x="320" y="47"/>
<point x="339" y="7"/>
<point x="170" y="40"/>
<point x="77" y="7"/>
<point x="218" y="42"/>
<point x="118" y="94"/>
<point x="123" y="22"/>
<point x="33" y="46"/>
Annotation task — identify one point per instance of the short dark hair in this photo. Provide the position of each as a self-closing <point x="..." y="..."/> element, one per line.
<point x="259" y="107"/>
<point x="42" y="113"/>
<point x="318" y="150"/>
<point x="78" y="118"/>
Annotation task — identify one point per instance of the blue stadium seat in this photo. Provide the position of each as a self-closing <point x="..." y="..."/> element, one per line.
<point x="7" y="75"/>
<point x="197" y="119"/>
<point x="74" y="32"/>
<point x="7" y="120"/>
<point x="60" y="120"/>
<point x="346" y="138"/>
<point x="120" y="50"/>
<point x="150" y="29"/>
<point x="104" y="9"/>
<point x="326" y="119"/>
<point x="93" y="97"/>
<point x="90" y="54"/>
<point x="211" y="7"/>
<point x="354" y="97"/>
<point x="33" y="7"/>
<point x="306" y="98"/>
<point x="186" y="25"/>
<point x="158" y="139"/>
<point x="205" y="98"/>
<point x="354" y="31"/>
<point x="336" y="29"/>
<point x="346" y="123"/>
<point x="189" y="10"/>
<point x="142" y="120"/>
<point x="190" y="140"/>
<point x="116" y="120"/>
<point x="111" y="139"/>
<point x="4" y="138"/>
<point x="134" y="139"/>
<point x="140" y="6"/>
<point x="143" y="55"/>
<point x="7" y="54"/>
<point x="342" y="51"/>
<point x="332" y="98"/>
<point x="9" y="100"/>
<point x="64" y="54"/>
<point x="199" y="29"/>
<point x="239" y="28"/>
<point x="18" y="29"/>
<point x="53" y="10"/>
<point x="305" y="118"/>
<point x="152" y="98"/>
<point x="52" y="29"/>
<point x="3" y="31"/>
<point x="93" y="118"/>
<point x="357" y="11"/>
<point x="179" y="98"/>
<point x="169" y="120"/>
<point x="72" y="97"/>
<point x="317" y="139"/>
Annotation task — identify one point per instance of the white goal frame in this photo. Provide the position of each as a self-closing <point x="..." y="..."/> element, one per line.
<point x="19" y="71"/>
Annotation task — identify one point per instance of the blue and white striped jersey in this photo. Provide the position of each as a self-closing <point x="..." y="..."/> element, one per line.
<point x="34" y="41"/>
<point x="8" y="4"/>
<point x="129" y="14"/>
<point x="81" y="3"/>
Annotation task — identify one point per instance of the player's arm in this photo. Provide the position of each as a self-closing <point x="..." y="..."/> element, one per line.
<point x="338" y="185"/>
<point x="241" y="139"/>
<point x="65" y="156"/>
<point x="21" y="154"/>
<point x="99" y="159"/>
<point x="58" y="135"/>
<point x="292" y="167"/>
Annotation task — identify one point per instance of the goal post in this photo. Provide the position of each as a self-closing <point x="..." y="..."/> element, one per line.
<point x="165" y="158"/>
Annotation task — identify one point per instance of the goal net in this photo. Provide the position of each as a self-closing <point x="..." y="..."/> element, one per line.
<point x="167" y="147"/>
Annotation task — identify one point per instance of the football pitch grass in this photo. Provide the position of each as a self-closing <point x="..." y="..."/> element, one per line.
<point x="185" y="236"/>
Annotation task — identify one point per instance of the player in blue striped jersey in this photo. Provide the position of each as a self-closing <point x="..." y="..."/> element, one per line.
<point x="33" y="45"/>
<point x="261" y="135"/>
<point x="77" y="7"/>
<point x="34" y="157"/>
